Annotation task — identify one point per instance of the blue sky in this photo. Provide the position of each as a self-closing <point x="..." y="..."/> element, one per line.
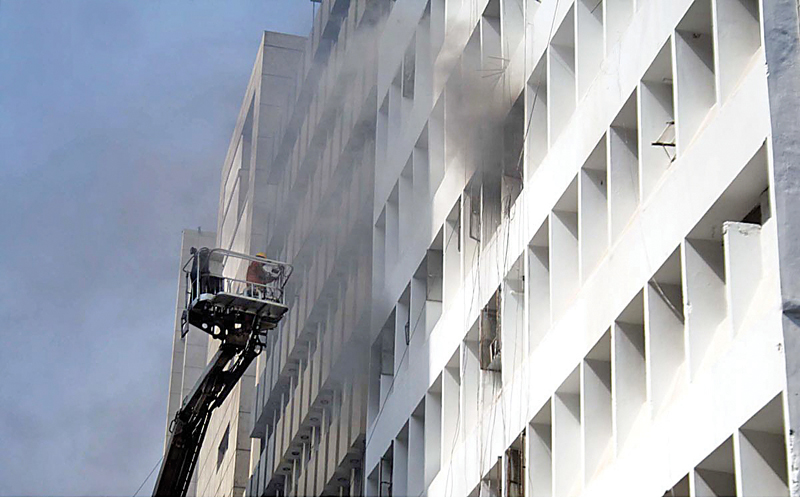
<point x="115" y="117"/>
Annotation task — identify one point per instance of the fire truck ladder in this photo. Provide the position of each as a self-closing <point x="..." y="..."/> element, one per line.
<point x="237" y="312"/>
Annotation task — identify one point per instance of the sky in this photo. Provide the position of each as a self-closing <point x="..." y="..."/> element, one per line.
<point x="115" y="117"/>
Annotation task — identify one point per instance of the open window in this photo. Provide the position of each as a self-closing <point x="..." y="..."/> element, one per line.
<point x="762" y="452"/>
<point x="540" y="451"/>
<point x="664" y="323"/>
<point x="722" y="263"/>
<point x="515" y="468"/>
<point x="223" y="446"/>
<point x="597" y="407"/>
<point x="567" y="479"/>
<point x="400" y="463"/>
<point x="474" y="201"/>
<point x="491" y="39"/>
<point x="739" y="35"/>
<point x="564" y="250"/>
<point x="513" y="140"/>
<point x="538" y="285"/>
<point x="409" y="70"/>
<point x="433" y="267"/>
<point x="451" y="244"/>
<point x="590" y="41"/>
<point x="403" y="325"/>
<point x="593" y="209"/>
<point x="385" y="468"/>
<point x="451" y="402"/>
<point x="416" y="450"/>
<point x="659" y="146"/>
<point x="696" y="72"/>
<point x="680" y="489"/>
<point x="489" y="329"/>
<point x="385" y="351"/>
<point x="562" y="75"/>
<point x="716" y="475"/>
<point x="432" y="430"/>
<point x="623" y="148"/>
<point x="629" y="370"/>
<point x="491" y="485"/>
<point x="513" y="315"/>
<point x="536" y="109"/>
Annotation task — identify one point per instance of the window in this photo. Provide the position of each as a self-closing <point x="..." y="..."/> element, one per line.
<point x="490" y="334"/>
<point x="223" y="446"/>
<point x="385" y="473"/>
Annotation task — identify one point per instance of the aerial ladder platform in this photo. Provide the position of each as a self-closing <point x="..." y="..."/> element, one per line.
<point x="238" y="311"/>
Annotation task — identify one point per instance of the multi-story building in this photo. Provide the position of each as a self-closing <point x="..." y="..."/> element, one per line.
<point x="297" y="184"/>
<point x="310" y="401"/>
<point x="541" y="247"/>
<point x="224" y="462"/>
<point x="223" y="466"/>
<point x="189" y="351"/>
<point x="585" y="255"/>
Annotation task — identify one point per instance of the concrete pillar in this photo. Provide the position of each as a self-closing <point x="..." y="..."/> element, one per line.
<point x="782" y="50"/>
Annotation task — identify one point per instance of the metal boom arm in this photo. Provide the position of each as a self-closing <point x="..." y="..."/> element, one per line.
<point x="236" y="312"/>
<point x="191" y="421"/>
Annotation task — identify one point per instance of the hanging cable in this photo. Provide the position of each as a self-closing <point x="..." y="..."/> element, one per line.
<point x="518" y="165"/>
<point x="149" y="475"/>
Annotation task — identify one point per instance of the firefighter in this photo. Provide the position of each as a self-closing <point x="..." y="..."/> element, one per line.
<point x="261" y="274"/>
<point x="256" y="276"/>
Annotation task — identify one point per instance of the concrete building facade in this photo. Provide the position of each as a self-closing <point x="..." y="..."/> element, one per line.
<point x="190" y="351"/>
<point x="223" y="466"/>
<point x="225" y="459"/>
<point x="541" y="247"/>
<point x="297" y="184"/>
<point x="309" y="408"/>
<point x="585" y="249"/>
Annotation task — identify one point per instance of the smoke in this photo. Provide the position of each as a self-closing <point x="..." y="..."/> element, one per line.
<point x="474" y="119"/>
<point x="476" y="102"/>
<point x="357" y="68"/>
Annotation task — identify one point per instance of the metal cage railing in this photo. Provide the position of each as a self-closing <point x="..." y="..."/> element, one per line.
<point x="214" y="271"/>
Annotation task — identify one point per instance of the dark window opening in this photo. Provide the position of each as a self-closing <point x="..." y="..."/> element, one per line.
<point x="490" y="334"/>
<point x="223" y="446"/>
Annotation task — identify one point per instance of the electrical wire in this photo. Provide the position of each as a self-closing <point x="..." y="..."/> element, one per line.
<point x="476" y="288"/>
<point x="149" y="475"/>
<point x="396" y="370"/>
<point x="509" y="218"/>
<point x="507" y="231"/>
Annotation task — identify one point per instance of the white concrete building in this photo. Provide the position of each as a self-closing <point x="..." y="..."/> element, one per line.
<point x="190" y="351"/>
<point x="310" y="401"/>
<point x="223" y="467"/>
<point x="297" y="184"/>
<point x="542" y="248"/>
<point x="224" y="463"/>
<point x="585" y="272"/>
